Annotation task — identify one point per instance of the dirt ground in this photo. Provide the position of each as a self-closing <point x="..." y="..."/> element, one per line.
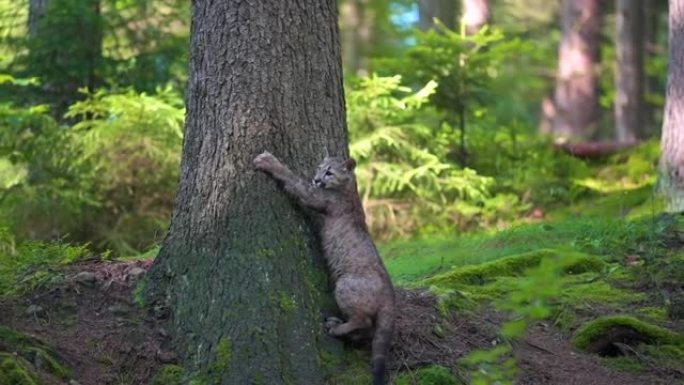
<point x="104" y="338"/>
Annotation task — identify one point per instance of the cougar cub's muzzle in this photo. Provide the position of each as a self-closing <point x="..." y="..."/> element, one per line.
<point x="318" y="183"/>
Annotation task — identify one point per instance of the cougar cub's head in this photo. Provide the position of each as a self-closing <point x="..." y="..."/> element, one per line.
<point x="334" y="173"/>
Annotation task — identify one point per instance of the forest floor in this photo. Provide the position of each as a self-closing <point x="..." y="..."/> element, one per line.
<point x="89" y="330"/>
<point x="602" y="281"/>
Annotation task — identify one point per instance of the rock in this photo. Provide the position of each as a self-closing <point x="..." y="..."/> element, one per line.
<point x="34" y="310"/>
<point x="166" y="357"/>
<point x="137" y="272"/>
<point x="119" y="310"/>
<point x="86" y="278"/>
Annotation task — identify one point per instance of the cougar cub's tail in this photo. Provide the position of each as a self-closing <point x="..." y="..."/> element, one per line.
<point x="382" y="340"/>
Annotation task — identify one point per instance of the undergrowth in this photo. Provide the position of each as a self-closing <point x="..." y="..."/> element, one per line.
<point x="30" y="265"/>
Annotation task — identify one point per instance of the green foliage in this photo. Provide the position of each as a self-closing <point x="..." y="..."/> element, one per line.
<point x="168" y="375"/>
<point x="112" y="179"/>
<point x="466" y="67"/>
<point x="30" y="265"/>
<point x="14" y="371"/>
<point x="401" y="170"/>
<point x="22" y="349"/>
<point x="432" y="375"/>
<point x="493" y="366"/>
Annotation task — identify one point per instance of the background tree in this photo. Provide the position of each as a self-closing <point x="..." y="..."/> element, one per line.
<point x="443" y="10"/>
<point x="576" y="98"/>
<point x="65" y="48"/>
<point x="671" y="181"/>
<point x="37" y="11"/>
<point x="476" y="13"/>
<point x="629" y="75"/>
<point x="356" y="26"/>
<point x="240" y="270"/>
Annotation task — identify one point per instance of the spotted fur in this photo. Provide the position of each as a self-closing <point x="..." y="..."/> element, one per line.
<point x="363" y="289"/>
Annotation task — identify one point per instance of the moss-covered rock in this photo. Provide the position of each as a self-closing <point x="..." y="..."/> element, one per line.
<point x="515" y="265"/>
<point x="599" y="335"/>
<point x="432" y="375"/>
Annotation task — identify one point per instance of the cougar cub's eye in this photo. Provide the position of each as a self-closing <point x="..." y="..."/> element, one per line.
<point x="328" y="173"/>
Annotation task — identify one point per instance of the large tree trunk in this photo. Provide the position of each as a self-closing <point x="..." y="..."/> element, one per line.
<point x="576" y="97"/>
<point x="241" y="272"/>
<point x="671" y="181"/>
<point x="443" y="10"/>
<point x="476" y="13"/>
<point x="356" y="25"/>
<point x="629" y="75"/>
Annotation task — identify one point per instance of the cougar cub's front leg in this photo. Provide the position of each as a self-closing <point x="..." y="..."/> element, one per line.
<point x="307" y="195"/>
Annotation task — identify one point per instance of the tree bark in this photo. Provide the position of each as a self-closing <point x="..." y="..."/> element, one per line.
<point x="576" y="97"/>
<point x="444" y="10"/>
<point x="241" y="274"/>
<point x="671" y="182"/>
<point x="476" y="13"/>
<point x="629" y="74"/>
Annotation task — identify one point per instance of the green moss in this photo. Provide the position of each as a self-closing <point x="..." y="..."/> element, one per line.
<point x="625" y="364"/>
<point x="515" y="265"/>
<point x="16" y="338"/>
<point x="168" y="375"/>
<point x="595" y="329"/>
<point x="286" y="303"/>
<point x="588" y="290"/>
<point x="653" y="313"/>
<point x="432" y="375"/>
<point x="224" y="354"/>
<point x="139" y="293"/>
<point x="26" y="349"/>
<point x="329" y="360"/>
<point x="355" y="375"/>
<point x="15" y="371"/>
<point x="258" y="379"/>
<point x="353" y="370"/>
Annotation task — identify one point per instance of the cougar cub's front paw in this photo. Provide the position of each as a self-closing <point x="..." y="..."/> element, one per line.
<point x="330" y="323"/>
<point x="265" y="161"/>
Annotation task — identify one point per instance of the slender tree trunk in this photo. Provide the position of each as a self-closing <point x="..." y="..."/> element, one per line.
<point x="37" y="11"/>
<point x="240" y="273"/>
<point x="576" y="97"/>
<point x="444" y="10"/>
<point x="65" y="48"/>
<point x="356" y="33"/>
<point x="671" y="181"/>
<point x="629" y="74"/>
<point x="476" y="13"/>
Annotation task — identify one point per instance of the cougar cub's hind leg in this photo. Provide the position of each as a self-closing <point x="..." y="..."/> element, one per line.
<point x="356" y="322"/>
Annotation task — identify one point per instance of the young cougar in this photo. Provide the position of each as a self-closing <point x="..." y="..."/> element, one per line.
<point x="363" y="289"/>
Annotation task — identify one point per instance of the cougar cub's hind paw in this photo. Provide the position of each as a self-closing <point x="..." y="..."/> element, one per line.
<point x="331" y="322"/>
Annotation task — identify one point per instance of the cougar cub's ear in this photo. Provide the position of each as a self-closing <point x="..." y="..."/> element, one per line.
<point x="349" y="164"/>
